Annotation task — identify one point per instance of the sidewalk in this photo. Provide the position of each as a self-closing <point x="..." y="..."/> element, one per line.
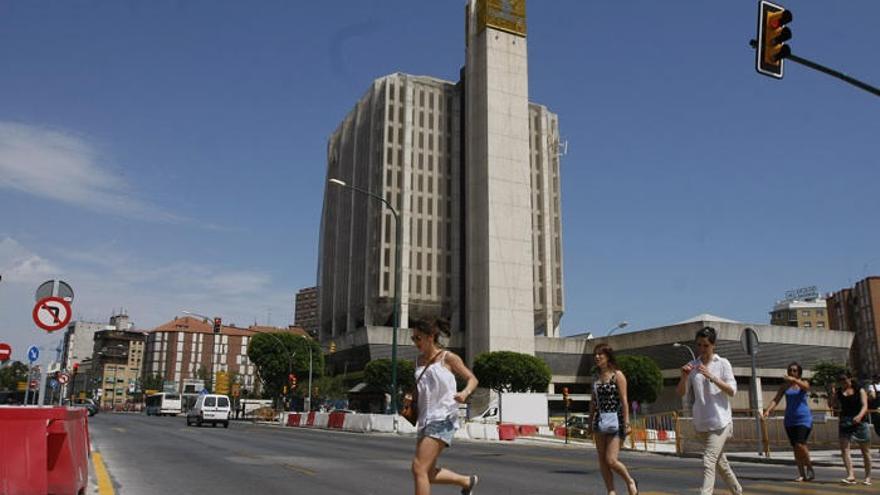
<point x="822" y="458"/>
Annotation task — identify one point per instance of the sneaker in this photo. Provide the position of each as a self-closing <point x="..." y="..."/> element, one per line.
<point x="811" y="475"/>
<point x="867" y="482"/>
<point x="470" y="489"/>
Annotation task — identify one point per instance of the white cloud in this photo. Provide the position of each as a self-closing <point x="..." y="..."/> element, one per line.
<point x="62" y="166"/>
<point x="17" y="264"/>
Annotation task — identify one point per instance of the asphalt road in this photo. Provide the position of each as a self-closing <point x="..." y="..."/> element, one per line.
<point x="149" y="455"/>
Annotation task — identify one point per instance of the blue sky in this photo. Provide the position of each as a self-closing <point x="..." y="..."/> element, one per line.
<point x="170" y="155"/>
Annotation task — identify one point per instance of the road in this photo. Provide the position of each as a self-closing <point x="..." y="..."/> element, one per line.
<point x="149" y="455"/>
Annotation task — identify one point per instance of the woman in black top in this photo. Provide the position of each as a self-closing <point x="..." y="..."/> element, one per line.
<point x="610" y="418"/>
<point x="852" y="404"/>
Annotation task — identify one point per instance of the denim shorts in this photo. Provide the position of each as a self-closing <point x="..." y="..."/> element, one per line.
<point x="442" y="430"/>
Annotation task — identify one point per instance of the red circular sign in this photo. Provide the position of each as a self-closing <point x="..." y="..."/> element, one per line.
<point x="63" y="378"/>
<point x="5" y="352"/>
<point x="52" y="313"/>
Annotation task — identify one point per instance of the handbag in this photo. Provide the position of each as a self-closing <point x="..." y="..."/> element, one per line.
<point x="608" y="423"/>
<point x="410" y="407"/>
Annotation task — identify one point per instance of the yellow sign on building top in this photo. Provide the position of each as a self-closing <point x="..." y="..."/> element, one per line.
<point x="504" y="15"/>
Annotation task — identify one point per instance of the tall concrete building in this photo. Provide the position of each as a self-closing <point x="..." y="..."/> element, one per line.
<point x="472" y="171"/>
<point x="858" y="310"/>
<point x="807" y="313"/>
<point x="306" y="310"/>
<point x="79" y="338"/>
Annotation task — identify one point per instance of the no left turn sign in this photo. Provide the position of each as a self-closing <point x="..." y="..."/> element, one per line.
<point x="63" y="378"/>
<point x="52" y="313"/>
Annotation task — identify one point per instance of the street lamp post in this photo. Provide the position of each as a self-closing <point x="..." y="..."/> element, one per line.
<point x="397" y="282"/>
<point x="216" y="365"/>
<point x="684" y="400"/>
<point x="620" y="325"/>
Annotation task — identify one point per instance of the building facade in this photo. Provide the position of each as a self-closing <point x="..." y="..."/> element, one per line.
<point x="857" y="310"/>
<point x="79" y="338"/>
<point x="472" y="171"/>
<point x="116" y="366"/>
<point x="306" y="310"/>
<point x="186" y="350"/>
<point x="810" y="313"/>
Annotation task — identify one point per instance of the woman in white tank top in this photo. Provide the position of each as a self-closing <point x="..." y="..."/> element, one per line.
<point x="436" y="369"/>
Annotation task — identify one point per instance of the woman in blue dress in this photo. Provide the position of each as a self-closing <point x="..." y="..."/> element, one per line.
<point x="798" y="418"/>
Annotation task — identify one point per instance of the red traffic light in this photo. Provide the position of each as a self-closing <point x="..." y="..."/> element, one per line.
<point x="75" y="367"/>
<point x="218" y="325"/>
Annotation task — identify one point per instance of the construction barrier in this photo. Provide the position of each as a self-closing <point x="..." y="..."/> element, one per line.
<point x="527" y="430"/>
<point x="336" y="420"/>
<point x="653" y="432"/>
<point x="293" y="419"/>
<point x="507" y="432"/>
<point x="45" y="450"/>
<point x="310" y="421"/>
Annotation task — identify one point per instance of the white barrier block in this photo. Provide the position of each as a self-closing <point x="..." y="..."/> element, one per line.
<point x="492" y="432"/>
<point x="356" y="422"/>
<point x="545" y="431"/>
<point x="321" y="420"/>
<point x="462" y="433"/>
<point x="477" y="431"/>
<point x="383" y="423"/>
<point x="403" y="426"/>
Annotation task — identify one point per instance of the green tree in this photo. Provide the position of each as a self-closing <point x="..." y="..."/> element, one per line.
<point x="644" y="380"/>
<point x="377" y="374"/>
<point x="825" y="374"/>
<point x="12" y="374"/>
<point x="278" y="354"/>
<point x="328" y="388"/>
<point x="154" y="382"/>
<point x="506" y="371"/>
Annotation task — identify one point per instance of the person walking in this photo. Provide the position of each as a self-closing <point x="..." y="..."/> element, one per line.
<point x="851" y="402"/>
<point x="798" y="420"/>
<point x="610" y="418"/>
<point x="873" y="390"/>
<point x="710" y="378"/>
<point x="438" y="401"/>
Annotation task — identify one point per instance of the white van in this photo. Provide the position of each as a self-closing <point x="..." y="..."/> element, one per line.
<point x="209" y="408"/>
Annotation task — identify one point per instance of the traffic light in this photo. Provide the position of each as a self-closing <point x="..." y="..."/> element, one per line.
<point x="292" y="379"/>
<point x="332" y="347"/>
<point x="565" y="397"/>
<point x="772" y="36"/>
<point x="218" y="324"/>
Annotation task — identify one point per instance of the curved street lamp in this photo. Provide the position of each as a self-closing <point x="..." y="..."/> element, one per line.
<point x="620" y="325"/>
<point x="397" y="282"/>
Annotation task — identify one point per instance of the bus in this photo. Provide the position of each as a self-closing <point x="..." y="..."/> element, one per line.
<point x="162" y="404"/>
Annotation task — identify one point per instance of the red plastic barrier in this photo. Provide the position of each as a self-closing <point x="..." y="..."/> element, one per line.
<point x="45" y="450"/>
<point x="506" y="432"/>
<point x="559" y="431"/>
<point x="310" y="421"/>
<point x="662" y="435"/>
<point x="336" y="420"/>
<point x="528" y="430"/>
<point x="293" y="419"/>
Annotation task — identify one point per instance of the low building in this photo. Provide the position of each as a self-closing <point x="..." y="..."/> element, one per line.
<point x="187" y="349"/>
<point x="571" y="359"/>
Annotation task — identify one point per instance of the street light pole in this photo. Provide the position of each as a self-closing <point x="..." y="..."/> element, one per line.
<point x="620" y="325"/>
<point x="397" y="281"/>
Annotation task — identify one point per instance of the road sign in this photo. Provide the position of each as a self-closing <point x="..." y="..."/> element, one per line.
<point x="52" y="313"/>
<point x="49" y="289"/>
<point x="5" y="352"/>
<point x="749" y="341"/>
<point x="33" y="353"/>
<point x="63" y="378"/>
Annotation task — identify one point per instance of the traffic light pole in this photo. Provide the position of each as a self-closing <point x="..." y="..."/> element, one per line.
<point x="827" y="70"/>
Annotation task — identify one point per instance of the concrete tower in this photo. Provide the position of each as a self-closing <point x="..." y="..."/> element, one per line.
<point x="499" y="261"/>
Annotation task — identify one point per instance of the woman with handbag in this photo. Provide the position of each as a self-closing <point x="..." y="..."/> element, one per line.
<point x="437" y="400"/>
<point x="852" y="404"/>
<point x="610" y="418"/>
<point x="710" y="378"/>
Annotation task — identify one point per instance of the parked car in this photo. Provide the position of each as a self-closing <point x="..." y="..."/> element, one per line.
<point x="209" y="408"/>
<point x="579" y="425"/>
<point x="88" y="404"/>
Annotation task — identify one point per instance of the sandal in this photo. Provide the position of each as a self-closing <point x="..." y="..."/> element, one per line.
<point x="867" y="482"/>
<point x="848" y="481"/>
<point x="473" y="482"/>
